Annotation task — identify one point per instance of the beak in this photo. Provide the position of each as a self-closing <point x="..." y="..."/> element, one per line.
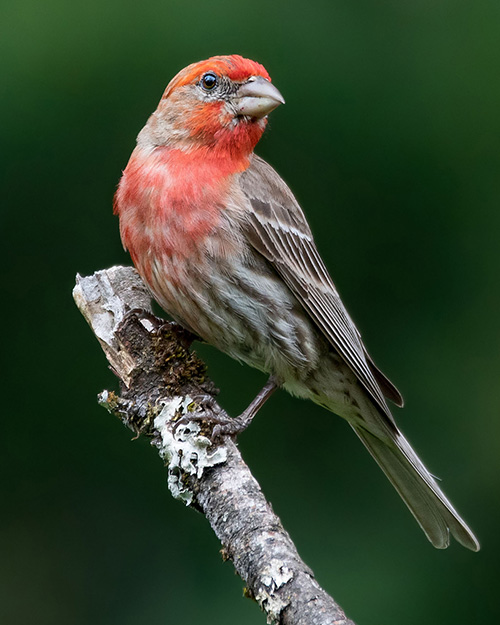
<point x="257" y="97"/>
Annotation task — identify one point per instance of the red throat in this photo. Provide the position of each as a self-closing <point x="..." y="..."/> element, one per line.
<point x="211" y="128"/>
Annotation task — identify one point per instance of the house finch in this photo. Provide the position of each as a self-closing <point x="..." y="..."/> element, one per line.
<point x="226" y="250"/>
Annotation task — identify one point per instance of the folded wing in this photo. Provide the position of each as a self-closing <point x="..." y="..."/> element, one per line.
<point x="278" y="229"/>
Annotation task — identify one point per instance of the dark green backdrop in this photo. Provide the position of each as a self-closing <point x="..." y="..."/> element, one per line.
<point x="390" y="139"/>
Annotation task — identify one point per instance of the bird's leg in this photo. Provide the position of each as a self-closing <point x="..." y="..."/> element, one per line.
<point x="227" y="426"/>
<point x="235" y="426"/>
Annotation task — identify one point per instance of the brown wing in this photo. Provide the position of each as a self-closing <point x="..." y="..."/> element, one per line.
<point x="277" y="228"/>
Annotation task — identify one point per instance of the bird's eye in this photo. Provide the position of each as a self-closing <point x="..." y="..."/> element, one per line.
<point x="209" y="81"/>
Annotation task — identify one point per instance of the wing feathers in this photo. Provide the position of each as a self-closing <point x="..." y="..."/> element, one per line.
<point x="277" y="228"/>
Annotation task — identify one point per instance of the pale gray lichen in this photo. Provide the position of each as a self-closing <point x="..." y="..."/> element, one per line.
<point x="98" y="289"/>
<point x="274" y="576"/>
<point x="185" y="450"/>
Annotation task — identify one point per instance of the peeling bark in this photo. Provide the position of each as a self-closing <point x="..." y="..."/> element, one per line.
<point x="162" y="381"/>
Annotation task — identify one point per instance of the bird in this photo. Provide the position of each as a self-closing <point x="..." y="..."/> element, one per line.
<point x="226" y="250"/>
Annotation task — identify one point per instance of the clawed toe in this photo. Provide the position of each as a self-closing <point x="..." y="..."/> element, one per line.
<point x="140" y="314"/>
<point x="216" y="416"/>
<point x="222" y="424"/>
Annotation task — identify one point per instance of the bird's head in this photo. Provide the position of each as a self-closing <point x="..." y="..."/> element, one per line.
<point x="221" y="103"/>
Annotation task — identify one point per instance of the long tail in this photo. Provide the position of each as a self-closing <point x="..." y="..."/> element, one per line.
<point x="418" y="489"/>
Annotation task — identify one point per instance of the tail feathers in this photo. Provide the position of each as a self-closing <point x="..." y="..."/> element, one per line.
<point x="418" y="489"/>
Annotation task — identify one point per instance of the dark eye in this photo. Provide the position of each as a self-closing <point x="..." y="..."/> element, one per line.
<point x="209" y="81"/>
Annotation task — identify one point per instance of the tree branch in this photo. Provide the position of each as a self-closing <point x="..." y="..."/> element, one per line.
<point x="161" y="381"/>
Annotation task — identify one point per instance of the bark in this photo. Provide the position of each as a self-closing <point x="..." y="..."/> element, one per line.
<point x="163" y="381"/>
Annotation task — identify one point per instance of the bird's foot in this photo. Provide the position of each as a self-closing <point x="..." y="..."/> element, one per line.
<point x="223" y="424"/>
<point x="153" y="323"/>
<point x="143" y="315"/>
<point x="215" y="416"/>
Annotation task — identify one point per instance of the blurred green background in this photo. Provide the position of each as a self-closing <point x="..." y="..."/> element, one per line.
<point x="390" y="140"/>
